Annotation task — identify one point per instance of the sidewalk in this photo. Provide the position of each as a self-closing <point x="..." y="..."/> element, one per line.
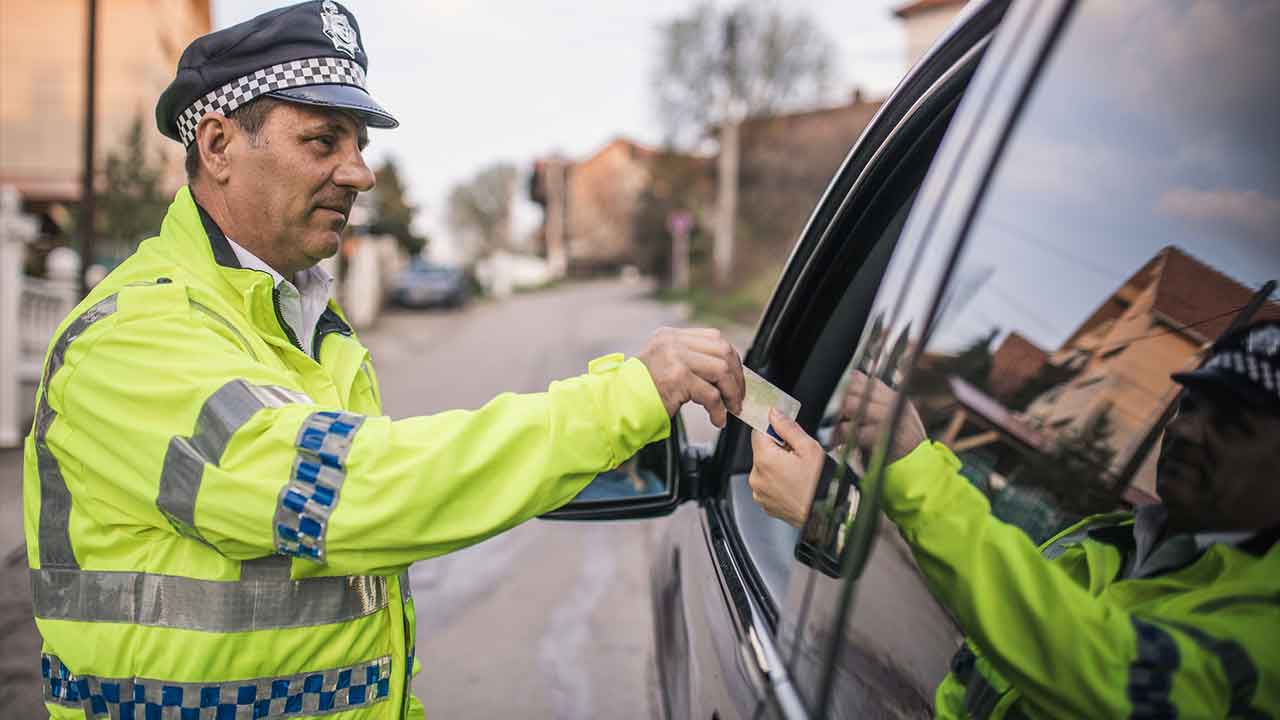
<point x="19" y="642"/>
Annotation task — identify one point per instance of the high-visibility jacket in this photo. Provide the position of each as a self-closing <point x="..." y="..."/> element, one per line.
<point x="219" y="525"/>
<point x="1052" y="632"/>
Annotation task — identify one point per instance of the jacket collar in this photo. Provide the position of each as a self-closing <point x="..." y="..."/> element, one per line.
<point x="194" y="241"/>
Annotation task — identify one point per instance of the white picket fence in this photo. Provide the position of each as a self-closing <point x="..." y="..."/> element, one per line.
<point x="30" y="310"/>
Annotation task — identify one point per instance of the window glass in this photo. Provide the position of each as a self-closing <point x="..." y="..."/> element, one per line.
<point x="1133" y="215"/>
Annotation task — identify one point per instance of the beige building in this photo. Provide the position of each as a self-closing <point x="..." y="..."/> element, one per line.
<point x="924" y="22"/>
<point x="1155" y="324"/>
<point x="42" y="85"/>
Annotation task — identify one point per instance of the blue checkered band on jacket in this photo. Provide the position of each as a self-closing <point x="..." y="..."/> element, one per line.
<point x="308" y="693"/>
<point x="1258" y="369"/>
<point x="312" y="491"/>
<point x="295" y="73"/>
<point x="1151" y="672"/>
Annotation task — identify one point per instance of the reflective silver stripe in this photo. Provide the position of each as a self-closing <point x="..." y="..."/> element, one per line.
<point x="1151" y="672"/>
<point x="55" y="499"/>
<point x="262" y="599"/>
<point x="1241" y="672"/>
<point x="406" y="590"/>
<point x="302" y="512"/>
<point x="225" y="412"/>
<point x="307" y="693"/>
<point x="227" y="324"/>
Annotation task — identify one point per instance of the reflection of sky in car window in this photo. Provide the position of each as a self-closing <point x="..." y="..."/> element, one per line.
<point x="1153" y="124"/>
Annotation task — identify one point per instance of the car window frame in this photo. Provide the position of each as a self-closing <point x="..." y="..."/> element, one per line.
<point x="949" y="202"/>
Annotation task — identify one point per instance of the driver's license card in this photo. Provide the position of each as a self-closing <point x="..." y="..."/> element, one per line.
<point x="762" y="395"/>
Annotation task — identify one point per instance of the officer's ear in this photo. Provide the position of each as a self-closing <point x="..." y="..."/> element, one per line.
<point x="214" y="134"/>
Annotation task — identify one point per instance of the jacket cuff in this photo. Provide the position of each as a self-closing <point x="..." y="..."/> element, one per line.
<point x="921" y="483"/>
<point x="628" y="403"/>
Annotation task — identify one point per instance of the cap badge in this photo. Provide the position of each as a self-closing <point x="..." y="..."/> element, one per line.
<point x="338" y="29"/>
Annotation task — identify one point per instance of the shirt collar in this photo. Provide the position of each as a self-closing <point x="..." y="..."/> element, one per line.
<point x="1154" y="554"/>
<point x="314" y="276"/>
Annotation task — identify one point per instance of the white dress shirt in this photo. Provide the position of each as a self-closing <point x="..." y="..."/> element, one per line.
<point x="302" y="301"/>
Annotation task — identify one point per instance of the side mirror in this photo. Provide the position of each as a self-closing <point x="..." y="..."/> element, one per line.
<point x="650" y="484"/>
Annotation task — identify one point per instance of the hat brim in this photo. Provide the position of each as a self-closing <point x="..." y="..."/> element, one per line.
<point x="342" y="97"/>
<point x="1239" y="387"/>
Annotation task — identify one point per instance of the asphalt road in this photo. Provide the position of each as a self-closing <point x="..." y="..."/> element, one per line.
<point x="549" y="620"/>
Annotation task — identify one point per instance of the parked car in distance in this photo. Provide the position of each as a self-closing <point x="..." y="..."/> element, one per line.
<point x="425" y="284"/>
<point x="1062" y="203"/>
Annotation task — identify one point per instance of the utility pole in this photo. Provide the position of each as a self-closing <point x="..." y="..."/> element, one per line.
<point x="555" y="169"/>
<point x="727" y="165"/>
<point x="88" y="204"/>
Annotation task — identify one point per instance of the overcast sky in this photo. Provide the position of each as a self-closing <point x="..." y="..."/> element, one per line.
<point x="478" y="81"/>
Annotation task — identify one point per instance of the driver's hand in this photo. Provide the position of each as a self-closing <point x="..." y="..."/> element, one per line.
<point x="783" y="478"/>
<point x="878" y="399"/>
<point x="695" y="364"/>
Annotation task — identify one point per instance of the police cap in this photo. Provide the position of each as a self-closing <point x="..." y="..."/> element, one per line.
<point x="1246" y="363"/>
<point x="309" y="53"/>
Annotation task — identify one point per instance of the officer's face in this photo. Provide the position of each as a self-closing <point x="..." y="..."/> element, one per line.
<point x="300" y="179"/>
<point x="1218" y="465"/>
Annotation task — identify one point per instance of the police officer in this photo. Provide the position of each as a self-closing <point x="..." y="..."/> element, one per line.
<point x="219" y="517"/>
<point x="1172" y="611"/>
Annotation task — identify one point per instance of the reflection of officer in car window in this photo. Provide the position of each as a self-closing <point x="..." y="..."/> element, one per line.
<point x="1170" y="611"/>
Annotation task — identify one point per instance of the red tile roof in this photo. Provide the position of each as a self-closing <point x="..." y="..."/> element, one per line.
<point x="1194" y="294"/>
<point x="1016" y="361"/>
<point x="918" y="6"/>
<point x="1191" y="296"/>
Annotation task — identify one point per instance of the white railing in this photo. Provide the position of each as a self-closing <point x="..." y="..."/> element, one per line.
<point x="30" y="310"/>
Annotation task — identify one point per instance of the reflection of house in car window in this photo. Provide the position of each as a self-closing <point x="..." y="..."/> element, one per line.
<point x="1154" y="324"/>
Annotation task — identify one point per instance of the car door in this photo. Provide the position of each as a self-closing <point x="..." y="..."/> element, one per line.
<point x="1089" y="229"/>
<point x="723" y="574"/>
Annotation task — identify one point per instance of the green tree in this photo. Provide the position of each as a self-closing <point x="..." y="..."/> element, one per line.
<point x="1077" y="472"/>
<point x="973" y="363"/>
<point x="135" y="199"/>
<point x="392" y="212"/>
<point x="752" y="56"/>
<point x="479" y="209"/>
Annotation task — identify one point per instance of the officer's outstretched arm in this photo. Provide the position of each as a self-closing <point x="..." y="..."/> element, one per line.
<point x="182" y="430"/>
<point x="1068" y="653"/>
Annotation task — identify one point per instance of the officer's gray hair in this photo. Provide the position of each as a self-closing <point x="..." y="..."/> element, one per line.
<point x="250" y="117"/>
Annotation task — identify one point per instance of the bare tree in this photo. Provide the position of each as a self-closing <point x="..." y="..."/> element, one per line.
<point x="752" y="59"/>
<point x="480" y="208"/>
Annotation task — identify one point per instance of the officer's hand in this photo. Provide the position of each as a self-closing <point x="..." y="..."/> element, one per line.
<point x="783" y="478"/>
<point x="879" y="399"/>
<point x="698" y="365"/>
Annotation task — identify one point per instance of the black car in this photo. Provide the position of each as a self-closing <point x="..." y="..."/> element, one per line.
<point x="1062" y="203"/>
<point x="424" y="284"/>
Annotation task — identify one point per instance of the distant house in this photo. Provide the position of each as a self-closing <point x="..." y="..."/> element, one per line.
<point x="592" y="206"/>
<point x="1015" y="363"/>
<point x="786" y="161"/>
<point x="42" y="86"/>
<point x="924" y="21"/>
<point x="1156" y="323"/>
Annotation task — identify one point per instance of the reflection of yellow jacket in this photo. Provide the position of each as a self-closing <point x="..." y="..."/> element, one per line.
<point x="1064" y="637"/>
<point x="219" y="525"/>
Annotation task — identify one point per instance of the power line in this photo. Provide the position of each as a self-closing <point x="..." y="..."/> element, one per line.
<point x="1188" y="326"/>
<point x="1061" y="252"/>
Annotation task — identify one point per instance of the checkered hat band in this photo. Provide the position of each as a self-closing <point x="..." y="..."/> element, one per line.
<point x="295" y="73"/>
<point x="1260" y="373"/>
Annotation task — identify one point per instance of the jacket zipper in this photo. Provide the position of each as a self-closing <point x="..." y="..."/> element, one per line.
<point x="207" y="311"/>
<point x="288" y="331"/>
